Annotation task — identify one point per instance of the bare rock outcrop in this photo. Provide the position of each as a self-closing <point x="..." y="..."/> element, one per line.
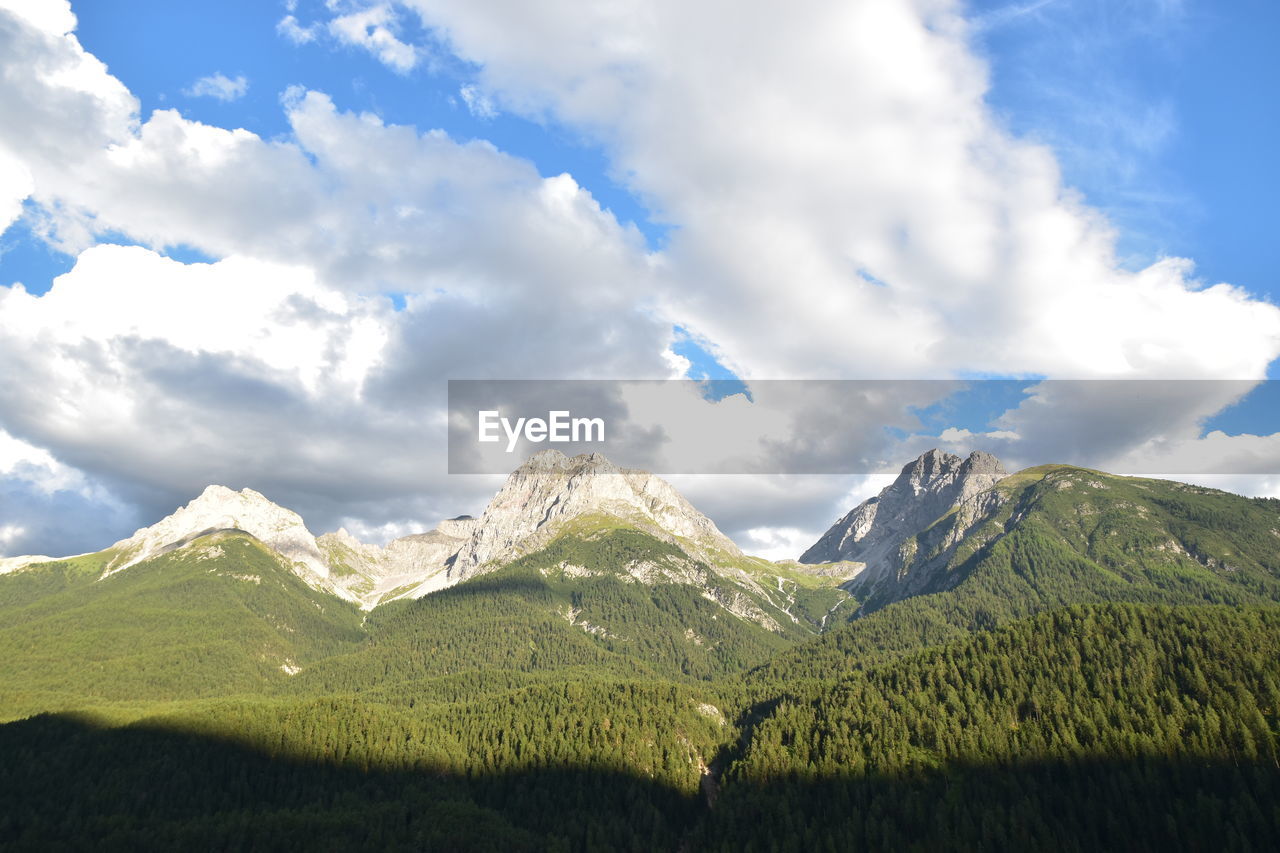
<point x="877" y="530"/>
<point x="551" y="489"/>
<point x="219" y="508"/>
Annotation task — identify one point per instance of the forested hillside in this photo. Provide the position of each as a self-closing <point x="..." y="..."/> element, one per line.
<point x="1088" y="727"/>
<point x="1091" y="667"/>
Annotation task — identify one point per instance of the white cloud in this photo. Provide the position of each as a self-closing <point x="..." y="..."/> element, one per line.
<point x="161" y="377"/>
<point x="766" y="515"/>
<point x="797" y="150"/>
<point x="289" y="27"/>
<point x="48" y="507"/>
<point x="53" y="17"/>
<point x="381" y="534"/>
<point x="282" y="366"/>
<point x="373" y="28"/>
<point x="478" y="103"/>
<point x="273" y="314"/>
<point x="369" y="26"/>
<point x="10" y="534"/>
<point x="1255" y="486"/>
<point x="776" y="543"/>
<point x="61" y="109"/>
<point x="15" y="185"/>
<point x="965" y="438"/>
<point x="219" y="86"/>
<point x="35" y="465"/>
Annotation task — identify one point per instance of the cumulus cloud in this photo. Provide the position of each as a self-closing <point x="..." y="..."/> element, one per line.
<point x="836" y="165"/>
<point x="777" y="517"/>
<point x="219" y="87"/>
<point x="282" y="366"/>
<point x="15" y="185"/>
<point x="53" y="17"/>
<point x="776" y="543"/>
<point x="62" y="109"/>
<point x="162" y="377"/>
<point x="369" y="26"/>
<point x="373" y="28"/>
<point x="35" y="465"/>
<point x="49" y="508"/>
<point x="289" y="27"/>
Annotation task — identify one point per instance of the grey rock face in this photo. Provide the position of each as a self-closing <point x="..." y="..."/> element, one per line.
<point x="534" y="504"/>
<point x="371" y="573"/>
<point x="220" y="508"/>
<point x="927" y="488"/>
<point x="551" y="489"/>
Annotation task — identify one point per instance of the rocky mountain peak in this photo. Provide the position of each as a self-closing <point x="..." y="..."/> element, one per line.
<point x="345" y="535"/>
<point x="925" y="489"/>
<point x="935" y="470"/>
<point x="221" y="508"/>
<point x="341" y="536"/>
<point x="981" y="463"/>
<point x="931" y="464"/>
<point x="550" y="489"/>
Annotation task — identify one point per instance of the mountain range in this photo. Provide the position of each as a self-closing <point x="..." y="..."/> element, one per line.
<point x="592" y="640"/>
<point x="537" y="502"/>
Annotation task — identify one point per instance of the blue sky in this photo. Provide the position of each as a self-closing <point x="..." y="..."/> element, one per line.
<point x="1160" y="114"/>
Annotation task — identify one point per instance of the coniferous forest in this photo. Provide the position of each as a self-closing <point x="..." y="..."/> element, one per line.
<point x="1076" y="682"/>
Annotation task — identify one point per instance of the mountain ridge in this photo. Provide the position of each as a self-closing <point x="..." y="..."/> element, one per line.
<point x="540" y="499"/>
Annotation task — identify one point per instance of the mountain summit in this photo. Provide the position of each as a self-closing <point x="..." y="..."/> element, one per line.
<point x="551" y="489"/>
<point x="219" y="508"/>
<point x="926" y="489"/>
<point x="533" y="506"/>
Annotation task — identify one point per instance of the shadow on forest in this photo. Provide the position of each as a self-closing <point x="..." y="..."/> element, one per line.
<point x="67" y="782"/>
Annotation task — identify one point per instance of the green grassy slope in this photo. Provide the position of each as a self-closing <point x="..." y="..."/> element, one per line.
<point x="1159" y="538"/>
<point x="220" y="617"/>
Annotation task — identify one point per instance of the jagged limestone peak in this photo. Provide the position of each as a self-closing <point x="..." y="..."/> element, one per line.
<point x="221" y="508"/>
<point x="926" y="488"/>
<point x="551" y="488"/>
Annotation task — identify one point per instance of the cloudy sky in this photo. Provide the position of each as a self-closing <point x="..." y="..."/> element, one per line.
<point x="248" y="242"/>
